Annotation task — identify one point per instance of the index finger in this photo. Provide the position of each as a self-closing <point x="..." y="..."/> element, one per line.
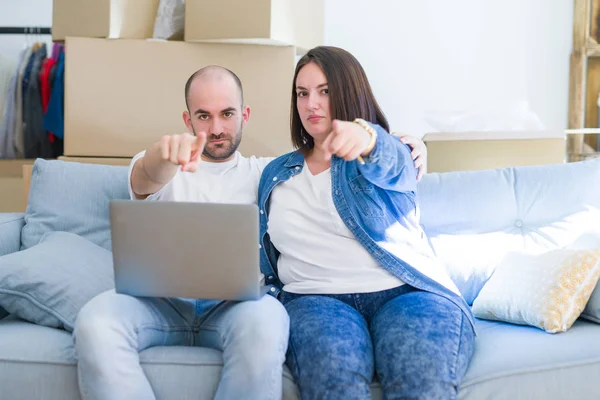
<point x="327" y="143"/>
<point x="165" y="147"/>
<point x="200" y="141"/>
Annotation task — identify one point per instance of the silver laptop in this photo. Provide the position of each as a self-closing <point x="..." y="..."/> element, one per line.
<point x="190" y="250"/>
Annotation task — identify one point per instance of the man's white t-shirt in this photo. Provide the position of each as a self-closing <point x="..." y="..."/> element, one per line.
<point x="235" y="181"/>
<point x="319" y="254"/>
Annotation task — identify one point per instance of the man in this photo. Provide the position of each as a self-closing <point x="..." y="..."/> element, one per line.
<point x="204" y="166"/>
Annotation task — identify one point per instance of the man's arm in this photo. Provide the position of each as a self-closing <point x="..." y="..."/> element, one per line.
<point x="160" y="162"/>
<point x="143" y="183"/>
<point x="418" y="152"/>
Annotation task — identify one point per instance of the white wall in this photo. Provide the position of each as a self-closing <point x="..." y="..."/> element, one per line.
<point x="23" y="13"/>
<point x="438" y="55"/>
<point x="429" y="55"/>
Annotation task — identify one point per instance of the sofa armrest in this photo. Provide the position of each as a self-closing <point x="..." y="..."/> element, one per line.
<point x="10" y="232"/>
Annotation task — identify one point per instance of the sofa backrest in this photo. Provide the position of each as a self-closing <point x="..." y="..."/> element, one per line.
<point x="72" y="197"/>
<point x="474" y="218"/>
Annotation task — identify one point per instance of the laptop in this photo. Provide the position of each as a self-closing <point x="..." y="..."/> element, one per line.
<point x="189" y="250"/>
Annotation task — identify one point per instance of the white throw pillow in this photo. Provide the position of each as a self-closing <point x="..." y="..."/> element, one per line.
<point x="548" y="290"/>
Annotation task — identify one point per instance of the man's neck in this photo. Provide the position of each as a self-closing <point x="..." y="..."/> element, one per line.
<point x="212" y="160"/>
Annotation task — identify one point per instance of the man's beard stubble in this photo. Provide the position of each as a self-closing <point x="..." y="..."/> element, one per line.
<point x="225" y="150"/>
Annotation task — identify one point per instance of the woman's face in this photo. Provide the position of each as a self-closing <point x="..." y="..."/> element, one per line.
<point x="312" y="94"/>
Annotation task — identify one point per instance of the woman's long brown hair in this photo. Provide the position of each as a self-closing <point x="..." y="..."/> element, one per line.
<point x="350" y="93"/>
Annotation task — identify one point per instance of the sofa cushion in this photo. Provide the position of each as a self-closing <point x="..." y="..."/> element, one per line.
<point x="522" y="362"/>
<point x="40" y="362"/>
<point x="510" y="362"/>
<point x="473" y="218"/>
<point x="72" y="197"/>
<point x="11" y="225"/>
<point x="49" y="283"/>
<point x="36" y="362"/>
<point x="548" y="290"/>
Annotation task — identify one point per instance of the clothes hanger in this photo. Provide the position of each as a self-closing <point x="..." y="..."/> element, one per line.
<point x="26" y="38"/>
<point x="36" y="43"/>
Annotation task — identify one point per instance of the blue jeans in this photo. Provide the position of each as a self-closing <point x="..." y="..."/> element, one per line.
<point x="418" y="343"/>
<point x="113" y="328"/>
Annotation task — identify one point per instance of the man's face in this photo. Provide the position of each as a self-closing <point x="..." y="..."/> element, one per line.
<point x="215" y="108"/>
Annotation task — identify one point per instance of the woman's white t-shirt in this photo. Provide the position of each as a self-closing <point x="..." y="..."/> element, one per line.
<point x="319" y="254"/>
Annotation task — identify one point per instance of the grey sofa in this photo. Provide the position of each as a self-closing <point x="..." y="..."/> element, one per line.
<point x="459" y="211"/>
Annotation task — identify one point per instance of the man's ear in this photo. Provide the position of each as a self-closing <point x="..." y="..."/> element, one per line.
<point x="187" y="120"/>
<point x="245" y="114"/>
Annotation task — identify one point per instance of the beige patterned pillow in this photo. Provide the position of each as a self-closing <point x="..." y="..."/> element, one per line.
<point x="548" y="291"/>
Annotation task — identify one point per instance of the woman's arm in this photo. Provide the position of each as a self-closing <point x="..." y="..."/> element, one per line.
<point x="388" y="164"/>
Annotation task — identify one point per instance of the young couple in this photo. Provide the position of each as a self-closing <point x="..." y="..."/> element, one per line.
<point x="354" y="290"/>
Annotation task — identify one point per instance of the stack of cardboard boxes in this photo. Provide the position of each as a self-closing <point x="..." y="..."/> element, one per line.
<point x="124" y="90"/>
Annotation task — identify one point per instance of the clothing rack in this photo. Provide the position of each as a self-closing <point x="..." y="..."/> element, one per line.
<point x="25" y="30"/>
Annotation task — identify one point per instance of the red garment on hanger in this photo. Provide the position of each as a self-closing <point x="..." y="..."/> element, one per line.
<point x="46" y="89"/>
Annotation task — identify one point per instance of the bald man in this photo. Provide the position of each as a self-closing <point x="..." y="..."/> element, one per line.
<point x="203" y="165"/>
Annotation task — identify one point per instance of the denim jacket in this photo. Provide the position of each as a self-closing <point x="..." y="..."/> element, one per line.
<point x="377" y="202"/>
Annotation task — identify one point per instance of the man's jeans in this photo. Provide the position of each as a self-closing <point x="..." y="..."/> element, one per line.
<point x="418" y="343"/>
<point x="113" y="328"/>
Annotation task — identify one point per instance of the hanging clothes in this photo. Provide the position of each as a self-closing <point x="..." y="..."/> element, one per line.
<point x="57" y="48"/>
<point x="52" y="74"/>
<point x="54" y="118"/>
<point x="27" y="73"/>
<point x="7" y="68"/>
<point x="45" y="81"/>
<point x="17" y="133"/>
<point x="7" y="103"/>
<point x="32" y="105"/>
<point x="54" y="56"/>
<point x="7" y="144"/>
<point x="35" y="138"/>
<point x="46" y="85"/>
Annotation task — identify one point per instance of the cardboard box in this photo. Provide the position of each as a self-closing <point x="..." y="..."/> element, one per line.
<point x="14" y="168"/>
<point x="490" y="150"/>
<point x="123" y="95"/>
<point x="13" y="198"/>
<point x="271" y="22"/>
<point x="132" y="19"/>
<point x="27" y="173"/>
<point x="98" y="160"/>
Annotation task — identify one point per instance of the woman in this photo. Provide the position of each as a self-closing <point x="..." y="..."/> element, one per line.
<point x="340" y="232"/>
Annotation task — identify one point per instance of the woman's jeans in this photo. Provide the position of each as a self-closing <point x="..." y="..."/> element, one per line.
<point x="417" y="343"/>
